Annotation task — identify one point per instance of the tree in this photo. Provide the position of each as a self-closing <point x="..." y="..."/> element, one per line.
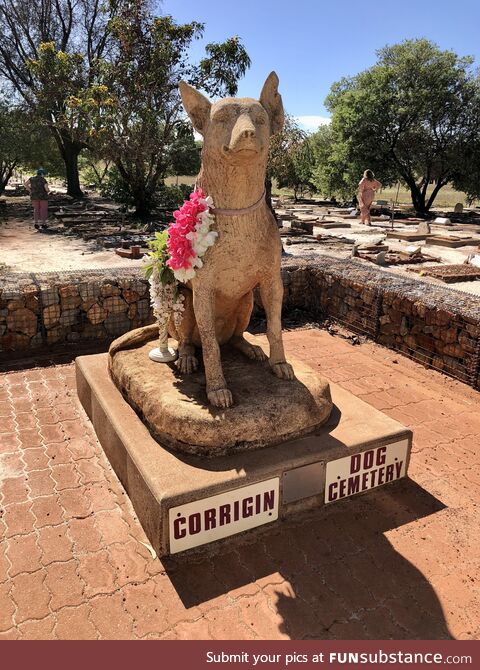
<point x="11" y="141"/>
<point x="141" y="125"/>
<point x="414" y="116"/>
<point x="23" y="143"/>
<point x="290" y="159"/>
<point x="41" y="45"/>
<point x="184" y="152"/>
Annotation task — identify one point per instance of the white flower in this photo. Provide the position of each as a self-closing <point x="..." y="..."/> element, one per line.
<point x="184" y="274"/>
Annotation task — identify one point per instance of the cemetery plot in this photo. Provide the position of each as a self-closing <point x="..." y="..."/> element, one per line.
<point x="452" y="241"/>
<point x="452" y="273"/>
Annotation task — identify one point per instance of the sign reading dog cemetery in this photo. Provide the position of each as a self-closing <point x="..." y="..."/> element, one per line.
<point x="366" y="470"/>
<point x="210" y="519"/>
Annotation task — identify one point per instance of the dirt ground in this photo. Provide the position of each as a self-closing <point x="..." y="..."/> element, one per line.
<point x="25" y="249"/>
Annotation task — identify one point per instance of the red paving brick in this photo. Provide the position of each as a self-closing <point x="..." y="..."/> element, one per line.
<point x="399" y="562"/>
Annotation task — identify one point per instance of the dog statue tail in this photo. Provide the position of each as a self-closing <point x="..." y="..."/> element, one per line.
<point x="133" y="339"/>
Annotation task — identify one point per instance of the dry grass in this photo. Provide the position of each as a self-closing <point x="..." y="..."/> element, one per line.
<point x="184" y="179"/>
<point x="447" y="197"/>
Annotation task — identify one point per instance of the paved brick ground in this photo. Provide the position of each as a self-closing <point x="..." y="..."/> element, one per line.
<point x="399" y="562"/>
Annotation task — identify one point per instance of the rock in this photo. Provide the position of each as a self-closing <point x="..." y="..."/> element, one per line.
<point x="3" y="328"/>
<point x="18" y="303"/>
<point x="143" y="307"/>
<point x="86" y="304"/>
<point x="117" y="324"/>
<point x="108" y="290"/>
<point x="267" y="410"/>
<point x="69" y="291"/>
<point x="96" y="314"/>
<point x="115" y="305"/>
<point x="55" y="335"/>
<point x="15" y="342"/>
<point x="138" y="285"/>
<point x="132" y="311"/>
<point x="49" y="296"/>
<point x="423" y="228"/>
<point x="31" y="301"/>
<point x="70" y="302"/>
<point x="93" y="332"/>
<point x="454" y="350"/>
<point x="69" y="297"/>
<point x="23" y="321"/>
<point x="36" y="341"/>
<point x="88" y="291"/>
<point x="51" y="315"/>
<point x="69" y="317"/>
<point x="448" y="335"/>
<point x="129" y="295"/>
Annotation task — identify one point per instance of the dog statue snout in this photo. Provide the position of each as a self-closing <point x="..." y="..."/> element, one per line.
<point x="249" y="132"/>
<point x="244" y="135"/>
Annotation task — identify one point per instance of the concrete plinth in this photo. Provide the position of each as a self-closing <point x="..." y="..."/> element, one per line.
<point x="184" y="502"/>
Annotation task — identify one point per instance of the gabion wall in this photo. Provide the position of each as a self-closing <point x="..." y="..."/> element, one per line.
<point x="44" y="310"/>
<point x="435" y="325"/>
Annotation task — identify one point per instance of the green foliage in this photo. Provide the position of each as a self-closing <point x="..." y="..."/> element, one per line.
<point x="24" y="143"/>
<point x="115" y="187"/>
<point x="290" y="159"/>
<point x="143" y="128"/>
<point x="414" y="117"/>
<point x="49" y="54"/>
<point x="158" y="257"/>
<point x="184" y="152"/>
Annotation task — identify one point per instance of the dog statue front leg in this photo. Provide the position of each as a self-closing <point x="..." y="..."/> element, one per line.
<point x="271" y="292"/>
<point x="204" y="308"/>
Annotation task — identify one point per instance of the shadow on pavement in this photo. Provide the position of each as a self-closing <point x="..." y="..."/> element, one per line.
<point x="330" y="573"/>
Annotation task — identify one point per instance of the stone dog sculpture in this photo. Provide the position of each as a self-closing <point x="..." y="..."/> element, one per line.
<point x="247" y="253"/>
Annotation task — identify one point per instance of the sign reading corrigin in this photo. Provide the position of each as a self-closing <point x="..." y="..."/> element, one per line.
<point x="366" y="470"/>
<point x="214" y="518"/>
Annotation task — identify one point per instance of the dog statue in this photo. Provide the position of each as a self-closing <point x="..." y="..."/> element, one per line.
<point x="247" y="253"/>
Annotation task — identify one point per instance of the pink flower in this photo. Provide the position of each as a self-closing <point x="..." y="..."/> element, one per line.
<point x="182" y="232"/>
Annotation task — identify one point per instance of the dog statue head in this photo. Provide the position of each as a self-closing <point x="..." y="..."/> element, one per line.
<point x="236" y="130"/>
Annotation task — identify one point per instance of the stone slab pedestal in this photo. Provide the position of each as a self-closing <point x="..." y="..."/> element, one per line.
<point x="266" y="410"/>
<point x="184" y="501"/>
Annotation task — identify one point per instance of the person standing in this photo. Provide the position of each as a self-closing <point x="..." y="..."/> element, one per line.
<point x="367" y="188"/>
<point x="37" y="187"/>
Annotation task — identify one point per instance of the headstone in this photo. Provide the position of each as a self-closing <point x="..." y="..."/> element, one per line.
<point x="475" y="261"/>
<point x="413" y="251"/>
<point x="423" y="228"/>
<point x="458" y="208"/>
<point x="380" y="258"/>
<point x="443" y="220"/>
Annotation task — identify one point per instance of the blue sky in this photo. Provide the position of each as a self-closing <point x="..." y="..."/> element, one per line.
<point x="312" y="43"/>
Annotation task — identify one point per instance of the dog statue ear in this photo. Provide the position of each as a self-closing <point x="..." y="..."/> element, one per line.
<point x="197" y="106"/>
<point x="271" y="100"/>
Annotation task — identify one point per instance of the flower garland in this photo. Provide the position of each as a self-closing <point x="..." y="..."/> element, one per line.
<point x="190" y="236"/>
<point x="175" y="256"/>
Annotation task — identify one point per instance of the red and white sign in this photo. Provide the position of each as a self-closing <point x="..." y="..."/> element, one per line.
<point x="360" y="472"/>
<point x="214" y="518"/>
